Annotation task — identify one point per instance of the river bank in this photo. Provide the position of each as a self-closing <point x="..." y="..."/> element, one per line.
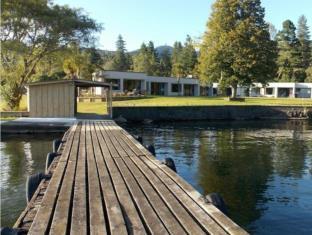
<point x="185" y="113"/>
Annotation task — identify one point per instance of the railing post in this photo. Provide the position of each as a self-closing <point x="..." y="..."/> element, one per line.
<point x="110" y="101"/>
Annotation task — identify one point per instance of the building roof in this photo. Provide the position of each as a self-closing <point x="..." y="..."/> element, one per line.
<point x="77" y="82"/>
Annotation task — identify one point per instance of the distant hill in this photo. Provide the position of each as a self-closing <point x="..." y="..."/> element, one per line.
<point x="159" y="50"/>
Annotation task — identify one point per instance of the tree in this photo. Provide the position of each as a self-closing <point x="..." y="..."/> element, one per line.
<point x="236" y="47"/>
<point x="165" y="65"/>
<point x="74" y="61"/>
<point x="32" y="30"/>
<point x="121" y="58"/>
<point x="309" y="74"/>
<point x="288" y="54"/>
<point x="146" y="60"/>
<point x="188" y="57"/>
<point x="177" y="70"/>
<point x="92" y="62"/>
<point x="303" y="35"/>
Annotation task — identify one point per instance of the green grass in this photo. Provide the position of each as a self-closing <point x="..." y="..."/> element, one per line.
<point x="100" y="107"/>
<point x="203" y="101"/>
<point x="158" y="101"/>
<point x="23" y="105"/>
<point x="7" y="118"/>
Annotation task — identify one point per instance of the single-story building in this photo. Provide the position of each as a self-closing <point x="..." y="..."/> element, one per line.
<point x="128" y="82"/>
<point x="140" y="83"/>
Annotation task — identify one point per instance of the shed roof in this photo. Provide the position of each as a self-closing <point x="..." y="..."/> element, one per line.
<point x="78" y="83"/>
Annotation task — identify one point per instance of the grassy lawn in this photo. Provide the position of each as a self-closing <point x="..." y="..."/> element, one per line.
<point x="23" y="105"/>
<point x="100" y="107"/>
<point x="202" y="101"/>
<point x="7" y="118"/>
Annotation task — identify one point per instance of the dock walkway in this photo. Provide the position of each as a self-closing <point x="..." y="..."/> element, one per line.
<point x="106" y="182"/>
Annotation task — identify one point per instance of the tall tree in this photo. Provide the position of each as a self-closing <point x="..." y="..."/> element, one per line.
<point x="31" y="31"/>
<point x="93" y="63"/>
<point x="309" y="74"/>
<point x="176" y="62"/>
<point x="165" y="63"/>
<point x="188" y="57"/>
<point x="146" y="60"/>
<point x="288" y="54"/>
<point x="303" y="35"/>
<point x="121" y="61"/>
<point x="236" y="48"/>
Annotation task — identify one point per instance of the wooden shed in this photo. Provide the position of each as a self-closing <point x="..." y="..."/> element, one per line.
<point x="58" y="98"/>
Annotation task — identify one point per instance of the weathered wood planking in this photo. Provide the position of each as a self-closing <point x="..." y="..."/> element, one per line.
<point x="107" y="183"/>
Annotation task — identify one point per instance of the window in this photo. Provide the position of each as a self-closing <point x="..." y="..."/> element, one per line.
<point x="114" y="82"/>
<point x="269" y="91"/>
<point x="175" y="88"/>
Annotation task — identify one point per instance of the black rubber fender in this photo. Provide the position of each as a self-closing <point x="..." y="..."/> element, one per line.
<point x="139" y="138"/>
<point x="151" y="149"/>
<point x="49" y="160"/>
<point x="170" y="163"/>
<point x="217" y="200"/>
<point x="12" y="231"/>
<point x="32" y="184"/>
<point x="56" y="144"/>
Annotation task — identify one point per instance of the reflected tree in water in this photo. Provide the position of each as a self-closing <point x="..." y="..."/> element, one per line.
<point x="236" y="169"/>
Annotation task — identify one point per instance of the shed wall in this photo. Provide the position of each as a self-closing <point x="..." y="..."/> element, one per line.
<point x="52" y="100"/>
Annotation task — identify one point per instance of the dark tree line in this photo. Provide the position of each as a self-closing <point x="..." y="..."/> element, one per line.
<point x="269" y="55"/>
<point x="294" y="52"/>
<point x="181" y="61"/>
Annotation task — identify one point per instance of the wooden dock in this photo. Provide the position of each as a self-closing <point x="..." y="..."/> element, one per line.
<point x="106" y="182"/>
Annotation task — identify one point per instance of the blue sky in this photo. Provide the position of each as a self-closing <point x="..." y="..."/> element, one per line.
<point x="166" y="21"/>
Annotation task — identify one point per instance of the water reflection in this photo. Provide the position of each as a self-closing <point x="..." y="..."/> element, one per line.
<point x="21" y="155"/>
<point x="262" y="169"/>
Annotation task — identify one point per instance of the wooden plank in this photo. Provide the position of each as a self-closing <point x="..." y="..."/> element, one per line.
<point x="41" y="222"/>
<point x="61" y="218"/>
<point x="39" y="110"/>
<point x="49" y="95"/>
<point x="45" y="100"/>
<point x="96" y="207"/>
<point x="151" y="220"/>
<point x="180" y="212"/>
<point x="56" y="101"/>
<point x="79" y="211"/>
<point x="66" y="99"/>
<point x="225" y="222"/>
<point x="168" y="219"/>
<point x="131" y="215"/>
<point x="114" y="213"/>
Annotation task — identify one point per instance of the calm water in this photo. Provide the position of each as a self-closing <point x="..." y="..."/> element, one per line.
<point x="263" y="170"/>
<point x="21" y="155"/>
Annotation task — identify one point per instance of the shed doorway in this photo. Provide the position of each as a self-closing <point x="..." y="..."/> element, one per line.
<point x="90" y="106"/>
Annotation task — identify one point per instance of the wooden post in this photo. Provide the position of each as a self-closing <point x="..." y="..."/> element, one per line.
<point x="110" y="101"/>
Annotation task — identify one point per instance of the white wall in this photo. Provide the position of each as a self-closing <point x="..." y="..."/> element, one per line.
<point x="146" y="81"/>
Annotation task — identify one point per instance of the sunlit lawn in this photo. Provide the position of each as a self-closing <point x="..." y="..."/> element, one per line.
<point x="202" y="101"/>
<point x="23" y="105"/>
<point x="100" y="107"/>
